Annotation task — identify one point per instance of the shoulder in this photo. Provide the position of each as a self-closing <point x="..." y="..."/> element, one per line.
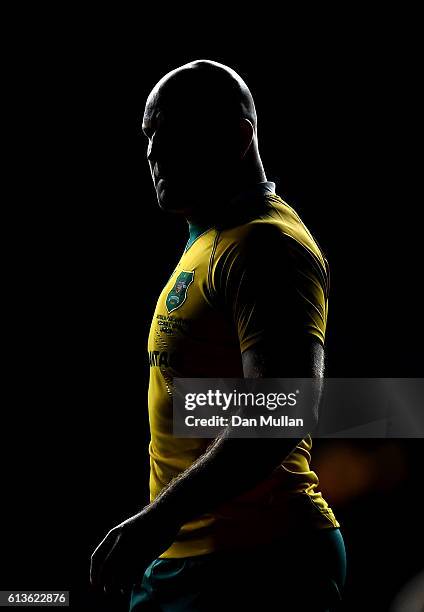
<point x="273" y="219"/>
<point x="251" y="237"/>
<point x="276" y="240"/>
<point x="277" y="231"/>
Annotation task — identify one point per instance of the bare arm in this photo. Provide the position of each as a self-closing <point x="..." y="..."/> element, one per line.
<point x="231" y="466"/>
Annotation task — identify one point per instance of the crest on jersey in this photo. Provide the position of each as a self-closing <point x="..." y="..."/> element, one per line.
<point x="178" y="294"/>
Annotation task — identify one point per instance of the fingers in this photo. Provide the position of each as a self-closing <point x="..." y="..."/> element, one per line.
<point x="119" y="576"/>
<point x="110" y="570"/>
<point x="100" y="559"/>
<point x="116" y="589"/>
<point x="122" y="556"/>
<point x="114" y="567"/>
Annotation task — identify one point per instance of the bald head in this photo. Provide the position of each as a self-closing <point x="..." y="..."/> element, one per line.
<point x="201" y="123"/>
<point x="204" y="87"/>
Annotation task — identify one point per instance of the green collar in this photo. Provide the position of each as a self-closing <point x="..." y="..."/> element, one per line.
<point x="195" y="231"/>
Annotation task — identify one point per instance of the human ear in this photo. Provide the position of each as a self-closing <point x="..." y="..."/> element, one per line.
<point x="246" y="136"/>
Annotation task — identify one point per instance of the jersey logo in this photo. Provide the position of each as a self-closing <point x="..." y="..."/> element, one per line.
<point x="178" y="294"/>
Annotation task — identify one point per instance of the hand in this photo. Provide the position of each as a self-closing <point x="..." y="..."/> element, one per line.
<point x="123" y="555"/>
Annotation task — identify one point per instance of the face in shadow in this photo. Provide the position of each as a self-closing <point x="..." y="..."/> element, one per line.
<point x="197" y="139"/>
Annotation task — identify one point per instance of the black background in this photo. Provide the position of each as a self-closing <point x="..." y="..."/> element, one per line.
<point x="88" y="252"/>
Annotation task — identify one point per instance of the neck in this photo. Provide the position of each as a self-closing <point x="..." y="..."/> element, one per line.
<point x="250" y="174"/>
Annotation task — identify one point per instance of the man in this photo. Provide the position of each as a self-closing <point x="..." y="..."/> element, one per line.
<point x="239" y="523"/>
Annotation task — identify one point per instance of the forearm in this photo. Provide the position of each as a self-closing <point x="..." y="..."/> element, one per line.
<point x="229" y="467"/>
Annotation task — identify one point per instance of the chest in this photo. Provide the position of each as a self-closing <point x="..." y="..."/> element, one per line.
<point x="188" y="328"/>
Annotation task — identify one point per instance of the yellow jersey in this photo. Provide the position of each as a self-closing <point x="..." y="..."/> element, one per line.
<point x="260" y="276"/>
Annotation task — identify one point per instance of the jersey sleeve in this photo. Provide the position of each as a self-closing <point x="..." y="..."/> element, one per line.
<point x="273" y="288"/>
